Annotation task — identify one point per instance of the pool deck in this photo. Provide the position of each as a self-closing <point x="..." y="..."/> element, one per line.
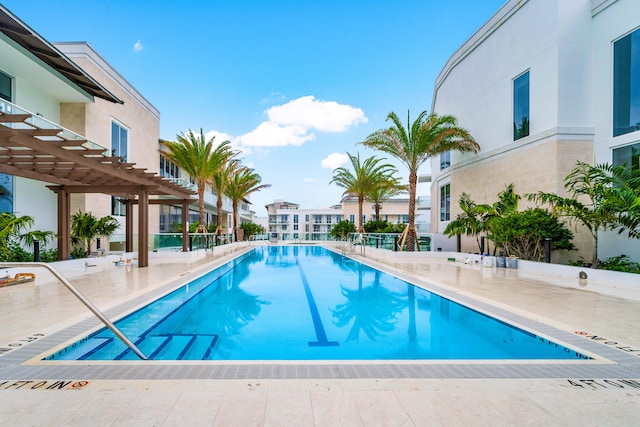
<point x="600" y="319"/>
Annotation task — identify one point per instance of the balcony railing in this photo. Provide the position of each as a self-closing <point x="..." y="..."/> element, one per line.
<point x="424" y="202"/>
<point x="38" y="121"/>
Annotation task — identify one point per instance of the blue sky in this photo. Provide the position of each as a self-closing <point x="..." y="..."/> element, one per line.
<point x="293" y="84"/>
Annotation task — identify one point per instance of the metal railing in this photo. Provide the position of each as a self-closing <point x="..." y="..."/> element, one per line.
<point x="360" y="239"/>
<point x="83" y="300"/>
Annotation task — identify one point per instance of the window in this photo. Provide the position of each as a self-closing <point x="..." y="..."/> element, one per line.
<point x="119" y="142"/>
<point x="168" y="169"/>
<point x="306" y="218"/>
<point x="338" y="218"/>
<point x="317" y="219"/>
<point x="352" y="219"/>
<point x="626" y="84"/>
<point x="295" y="219"/>
<point x="521" y="106"/>
<point x="445" y="160"/>
<point x="445" y="202"/>
<point x="628" y="156"/>
<point x="284" y="218"/>
<point x="284" y="227"/>
<point x="5" y="87"/>
<point x="295" y="227"/>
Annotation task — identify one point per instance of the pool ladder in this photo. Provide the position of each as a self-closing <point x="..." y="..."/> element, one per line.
<point x="83" y="300"/>
<point x="358" y="240"/>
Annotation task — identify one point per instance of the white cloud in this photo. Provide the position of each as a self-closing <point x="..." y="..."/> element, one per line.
<point x="310" y="113"/>
<point x="269" y="134"/>
<point x="294" y="123"/>
<point x="334" y="160"/>
<point x="137" y="47"/>
<point x="219" y="136"/>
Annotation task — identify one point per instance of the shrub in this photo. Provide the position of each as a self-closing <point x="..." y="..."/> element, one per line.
<point x="342" y="229"/>
<point x="522" y="234"/>
<point x="620" y="263"/>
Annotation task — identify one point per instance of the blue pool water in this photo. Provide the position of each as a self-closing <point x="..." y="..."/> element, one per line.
<point x="308" y="303"/>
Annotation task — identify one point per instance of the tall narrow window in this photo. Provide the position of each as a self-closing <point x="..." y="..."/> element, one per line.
<point x="445" y="160"/>
<point x="168" y="169"/>
<point x="5" y="87"/>
<point x="521" y="106"/>
<point x="626" y="84"/>
<point x="119" y="143"/>
<point x="445" y="202"/>
<point x="628" y="156"/>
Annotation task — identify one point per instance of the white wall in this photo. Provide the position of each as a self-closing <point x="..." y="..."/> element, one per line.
<point x="34" y="199"/>
<point x="617" y="20"/>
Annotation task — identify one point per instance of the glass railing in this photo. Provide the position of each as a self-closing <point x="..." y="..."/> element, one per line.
<point x="424" y="202"/>
<point x="37" y="121"/>
<point x="391" y="241"/>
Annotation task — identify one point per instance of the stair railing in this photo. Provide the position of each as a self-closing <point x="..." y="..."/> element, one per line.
<point x="83" y="300"/>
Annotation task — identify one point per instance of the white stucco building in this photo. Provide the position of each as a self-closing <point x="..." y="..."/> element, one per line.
<point x="541" y="85"/>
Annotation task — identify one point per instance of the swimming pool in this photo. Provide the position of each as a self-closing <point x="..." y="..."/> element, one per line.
<point x="309" y="303"/>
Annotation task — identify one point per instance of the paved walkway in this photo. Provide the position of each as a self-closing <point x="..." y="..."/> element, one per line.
<point x="605" y="392"/>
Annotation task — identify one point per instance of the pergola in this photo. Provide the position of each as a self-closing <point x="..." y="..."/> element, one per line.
<point x="74" y="165"/>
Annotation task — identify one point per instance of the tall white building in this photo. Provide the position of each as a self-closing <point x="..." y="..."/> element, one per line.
<point x="541" y="85"/>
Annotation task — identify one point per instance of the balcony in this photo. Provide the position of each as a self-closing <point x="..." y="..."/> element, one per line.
<point x="424" y="202"/>
<point x="46" y="130"/>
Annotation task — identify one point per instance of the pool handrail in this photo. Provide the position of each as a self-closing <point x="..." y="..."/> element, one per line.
<point x="82" y="299"/>
<point x="360" y="239"/>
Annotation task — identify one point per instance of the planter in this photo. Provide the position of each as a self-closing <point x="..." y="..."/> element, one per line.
<point x="501" y="262"/>
<point x="512" y="262"/>
<point x="487" y="261"/>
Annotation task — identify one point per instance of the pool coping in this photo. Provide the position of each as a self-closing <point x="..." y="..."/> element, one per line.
<point x="611" y="361"/>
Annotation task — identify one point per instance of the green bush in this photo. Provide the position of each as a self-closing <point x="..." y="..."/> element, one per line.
<point x="620" y="263"/>
<point x="381" y="226"/>
<point x="342" y="229"/>
<point x="251" y="229"/>
<point x="522" y="234"/>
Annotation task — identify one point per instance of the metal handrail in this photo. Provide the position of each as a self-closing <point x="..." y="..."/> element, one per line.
<point x="82" y="299"/>
<point x="359" y="239"/>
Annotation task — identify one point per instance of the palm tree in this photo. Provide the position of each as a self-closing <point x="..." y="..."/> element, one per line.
<point x="15" y="227"/>
<point x="201" y="159"/>
<point x="384" y="192"/>
<point x="85" y="227"/>
<point x="470" y="222"/>
<point x="219" y="183"/>
<point x="241" y="184"/>
<point x="612" y="193"/>
<point x="366" y="178"/>
<point x="428" y="136"/>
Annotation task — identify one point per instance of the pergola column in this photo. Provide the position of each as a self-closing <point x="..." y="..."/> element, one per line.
<point x="128" y="227"/>
<point x="64" y="225"/>
<point x="143" y="228"/>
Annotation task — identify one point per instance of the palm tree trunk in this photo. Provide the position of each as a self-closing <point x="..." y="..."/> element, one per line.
<point x="201" y="227"/>
<point x="219" y="219"/>
<point x="235" y="219"/>
<point x="594" y="257"/>
<point x="360" y="227"/>
<point x="413" y="181"/>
